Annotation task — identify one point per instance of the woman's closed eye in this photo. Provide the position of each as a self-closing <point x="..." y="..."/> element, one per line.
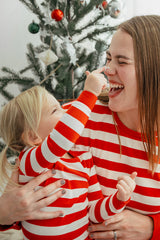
<point x="108" y="59"/>
<point x="122" y="62"/>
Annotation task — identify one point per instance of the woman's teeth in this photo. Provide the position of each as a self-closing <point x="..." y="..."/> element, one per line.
<point x="116" y="86"/>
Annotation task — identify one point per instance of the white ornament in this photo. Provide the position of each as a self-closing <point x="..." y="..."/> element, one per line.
<point x="78" y="72"/>
<point x="48" y="57"/>
<point x="115" y="9"/>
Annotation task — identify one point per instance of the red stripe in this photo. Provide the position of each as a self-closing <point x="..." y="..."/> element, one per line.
<point x="78" y="114"/>
<point x="95" y="195"/>
<point x="65" y="202"/>
<point x="61" y="167"/>
<point x="54" y="148"/>
<point x="61" y="221"/>
<point x="97" y="211"/>
<point x="67" y="132"/>
<point x="28" y="167"/>
<point x="68" y="236"/>
<point x="88" y="99"/>
<point x="143" y="207"/>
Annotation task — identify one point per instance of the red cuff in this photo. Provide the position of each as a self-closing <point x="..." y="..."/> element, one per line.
<point x="16" y="226"/>
<point x="91" y="100"/>
<point x="87" y="98"/>
<point x="156" y="229"/>
<point x="118" y="204"/>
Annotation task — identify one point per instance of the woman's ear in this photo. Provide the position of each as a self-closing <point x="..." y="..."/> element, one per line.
<point x="31" y="138"/>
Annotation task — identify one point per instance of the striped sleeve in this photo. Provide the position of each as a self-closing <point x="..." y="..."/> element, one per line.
<point x="100" y="207"/>
<point x="106" y="207"/>
<point x="35" y="160"/>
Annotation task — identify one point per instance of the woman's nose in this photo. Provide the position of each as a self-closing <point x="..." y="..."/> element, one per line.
<point x="109" y="71"/>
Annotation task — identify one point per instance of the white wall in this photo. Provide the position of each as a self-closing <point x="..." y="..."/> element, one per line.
<point x="14" y="21"/>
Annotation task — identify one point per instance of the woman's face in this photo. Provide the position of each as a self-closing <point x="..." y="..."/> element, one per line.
<point x="121" y="75"/>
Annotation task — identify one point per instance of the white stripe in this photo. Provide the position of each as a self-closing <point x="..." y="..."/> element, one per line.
<point x="92" y="212"/>
<point x="47" y="154"/>
<point x="83" y="236"/>
<point x="112" y="208"/>
<point x="103" y="211"/>
<point x="114" y="157"/>
<point x="72" y="193"/>
<point x="150" y="183"/>
<point x="23" y="161"/>
<point x="25" y="237"/>
<point x="95" y="187"/>
<point x="152" y="201"/>
<point x="55" y="231"/>
<point x="35" y="165"/>
<point x="60" y="140"/>
<point x="81" y="106"/>
<point x="23" y="178"/>
<point x="72" y="123"/>
<point x="140" y="181"/>
<point x="74" y="209"/>
<point x="67" y="175"/>
<point x="141" y="211"/>
<point x="113" y="138"/>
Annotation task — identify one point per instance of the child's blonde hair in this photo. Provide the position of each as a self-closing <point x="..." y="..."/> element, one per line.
<point x="20" y="116"/>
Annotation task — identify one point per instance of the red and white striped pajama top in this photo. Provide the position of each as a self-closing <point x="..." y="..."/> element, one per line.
<point x="100" y="137"/>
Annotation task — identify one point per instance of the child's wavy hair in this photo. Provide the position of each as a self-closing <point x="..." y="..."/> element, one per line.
<point x="19" y="116"/>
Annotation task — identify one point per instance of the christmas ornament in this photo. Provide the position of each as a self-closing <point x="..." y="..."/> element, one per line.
<point x="104" y="4"/>
<point x="48" y="57"/>
<point x="57" y="14"/>
<point x="115" y="9"/>
<point x="78" y="72"/>
<point x="33" y="27"/>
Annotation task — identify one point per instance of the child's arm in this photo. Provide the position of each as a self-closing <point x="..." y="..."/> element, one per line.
<point x="125" y="186"/>
<point x="105" y="207"/>
<point x="67" y="130"/>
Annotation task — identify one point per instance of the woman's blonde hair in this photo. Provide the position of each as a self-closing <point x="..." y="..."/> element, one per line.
<point x="19" y="116"/>
<point x="145" y="32"/>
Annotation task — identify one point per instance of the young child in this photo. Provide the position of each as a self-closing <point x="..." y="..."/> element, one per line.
<point x="34" y="124"/>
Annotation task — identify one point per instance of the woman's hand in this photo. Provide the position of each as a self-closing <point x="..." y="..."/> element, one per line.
<point x="24" y="203"/>
<point x="127" y="224"/>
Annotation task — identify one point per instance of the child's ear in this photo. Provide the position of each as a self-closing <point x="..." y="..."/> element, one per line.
<point x="32" y="138"/>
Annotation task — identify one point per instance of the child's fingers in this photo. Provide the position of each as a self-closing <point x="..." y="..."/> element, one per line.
<point x="87" y="73"/>
<point x="99" y="70"/>
<point x="133" y="175"/>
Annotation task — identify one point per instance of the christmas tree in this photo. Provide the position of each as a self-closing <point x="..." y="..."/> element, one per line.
<point x="74" y="37"/>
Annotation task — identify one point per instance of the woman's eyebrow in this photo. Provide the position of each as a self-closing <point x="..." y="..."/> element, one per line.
<point x="118" y="56"/>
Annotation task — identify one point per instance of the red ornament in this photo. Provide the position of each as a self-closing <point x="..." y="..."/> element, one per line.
<point x="57" y="14"/>
<point x="104" y="4"/>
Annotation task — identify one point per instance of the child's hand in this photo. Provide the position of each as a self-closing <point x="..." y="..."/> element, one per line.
<point x="125" y="186"/>
<point x="95" y="81"/>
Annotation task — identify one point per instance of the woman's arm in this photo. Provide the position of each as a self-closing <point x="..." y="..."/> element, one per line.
<point x="127" y="224"/>
<point x="24" y="203"/>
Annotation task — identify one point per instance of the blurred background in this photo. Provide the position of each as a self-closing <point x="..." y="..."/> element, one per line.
<point x="15" y="18"/>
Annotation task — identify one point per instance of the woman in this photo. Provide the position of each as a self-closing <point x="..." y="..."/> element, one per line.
<point x="123" y="136"/>
<point x="115" y="132"/>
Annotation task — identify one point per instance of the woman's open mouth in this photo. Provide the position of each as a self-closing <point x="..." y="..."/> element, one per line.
<point x="115" y="89"/>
